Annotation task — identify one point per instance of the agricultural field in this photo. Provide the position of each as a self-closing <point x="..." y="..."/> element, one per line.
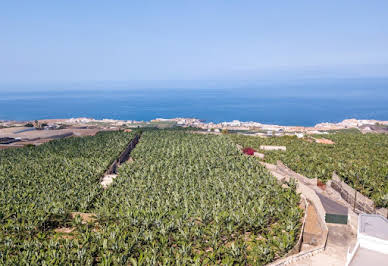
<point x="183" y="199"/>
<point x="40" y="185"/>
<point x="194" y="199"/>
<point x="361" y="160"/>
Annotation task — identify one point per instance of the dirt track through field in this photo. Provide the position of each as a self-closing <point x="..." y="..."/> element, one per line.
<point x="111" y="173"/>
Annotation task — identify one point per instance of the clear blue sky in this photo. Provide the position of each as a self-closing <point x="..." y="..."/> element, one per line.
<point x="191" y="40"/>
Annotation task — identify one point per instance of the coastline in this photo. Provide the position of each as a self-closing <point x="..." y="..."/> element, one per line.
<point x="363" y="125"/>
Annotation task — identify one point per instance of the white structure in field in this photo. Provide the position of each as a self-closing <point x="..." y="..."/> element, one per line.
<point x="273" y="148"/>
<point x="259" y="155"/>
<point x="372" y="241"/>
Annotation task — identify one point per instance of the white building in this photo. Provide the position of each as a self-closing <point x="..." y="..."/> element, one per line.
<point x="235" y="123"/>
<point x="372" y="241"/>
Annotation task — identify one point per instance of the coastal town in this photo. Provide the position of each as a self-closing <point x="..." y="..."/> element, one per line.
<point x="22" y="133"/>
<point x="333" y="231"/>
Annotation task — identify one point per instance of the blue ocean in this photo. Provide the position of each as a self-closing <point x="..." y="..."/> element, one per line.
<point x="302" y="103"/>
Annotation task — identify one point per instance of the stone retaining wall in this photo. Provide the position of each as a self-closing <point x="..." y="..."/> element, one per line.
<point x="298" y="257"/>
<point x="125" y="155"/>
<point x="383" y="212"/>
<point x="112" y="169"/>
<point x="353" y="197"/>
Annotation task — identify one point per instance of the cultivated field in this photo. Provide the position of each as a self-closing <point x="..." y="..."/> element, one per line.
<point x="191" y="198"/>
<point x="183" y="199"/>
<point x="40" y="186"/>
<point x="361" y="160"/>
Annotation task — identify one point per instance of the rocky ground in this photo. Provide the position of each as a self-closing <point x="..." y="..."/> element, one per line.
<point x="27" y="135"/>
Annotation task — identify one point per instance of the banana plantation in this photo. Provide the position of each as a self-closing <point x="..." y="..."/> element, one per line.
<point x="361" y="160"/>
<point x="191" y="198"/>
<point x="39" y="186"/>
<point x="184" y="199"/>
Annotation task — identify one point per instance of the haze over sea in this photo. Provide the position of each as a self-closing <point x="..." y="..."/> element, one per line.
<point x="311" y="101"/>
<point x="289" y="63"/>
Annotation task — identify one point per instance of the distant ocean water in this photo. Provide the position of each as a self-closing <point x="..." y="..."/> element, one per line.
<point x="265" y="105"/>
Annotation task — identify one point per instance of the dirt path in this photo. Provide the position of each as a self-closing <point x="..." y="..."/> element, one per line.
<point x="340" y="238"/>
<point x="111" y="173"/>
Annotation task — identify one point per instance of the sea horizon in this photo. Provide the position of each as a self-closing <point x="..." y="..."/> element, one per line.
<point x="310" y="103"/>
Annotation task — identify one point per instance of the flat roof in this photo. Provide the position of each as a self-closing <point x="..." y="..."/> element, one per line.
<point x="374" y="225"/>
<point x="365" y="256"/>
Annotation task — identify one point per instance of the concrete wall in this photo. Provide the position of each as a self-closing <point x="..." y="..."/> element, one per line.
<point x="316" y="202"/>
<point x="302" y="187"/>
<point x="351" y="254"/>
<point x="302" y="179"/>
<point x="353" y="221"/>
<point x="298" y="245"/>
<point x="311" y="196"/>
<point x="298" y="257"/>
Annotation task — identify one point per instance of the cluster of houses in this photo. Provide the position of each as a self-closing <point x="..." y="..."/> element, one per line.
<point x="235" y="125"/>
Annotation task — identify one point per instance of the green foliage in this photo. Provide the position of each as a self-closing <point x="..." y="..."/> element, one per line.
<point x="41" y="185"/>
<point x="185" y="199"/>
<point x="29" y="145"/>
<point x="361" y="160"/>
<point x="191" y="198"/>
